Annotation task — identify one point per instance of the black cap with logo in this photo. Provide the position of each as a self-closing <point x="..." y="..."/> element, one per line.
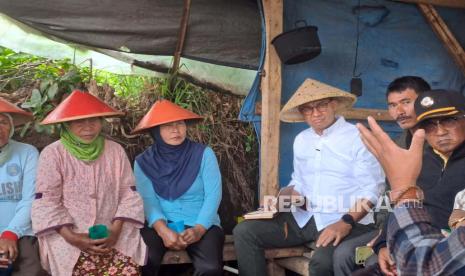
<point x="439" y="103"/>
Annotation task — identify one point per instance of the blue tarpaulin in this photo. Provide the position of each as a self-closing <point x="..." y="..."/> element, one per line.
<point x="394" y="40"/>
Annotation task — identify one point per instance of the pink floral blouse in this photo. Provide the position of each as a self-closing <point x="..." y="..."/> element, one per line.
<point x="73" y="192"/>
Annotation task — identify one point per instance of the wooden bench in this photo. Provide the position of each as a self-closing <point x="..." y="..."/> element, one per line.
<point x="277" y="258"/>
<point x="298" y="264"/>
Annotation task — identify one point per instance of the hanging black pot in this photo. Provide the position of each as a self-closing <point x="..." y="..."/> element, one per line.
<point x="298" y="45"/>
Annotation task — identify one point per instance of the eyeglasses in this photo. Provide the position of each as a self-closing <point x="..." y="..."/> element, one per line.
<point x="308" y="109"/>
<point x="447" y="123"/>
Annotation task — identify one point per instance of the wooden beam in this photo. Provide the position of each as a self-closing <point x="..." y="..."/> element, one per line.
<point x="444" y="3"/>
<point x="271" y="101"/>
<point x="444" y="34"/>
<point x="352" y="114"/>
<point x="363" y="113"/>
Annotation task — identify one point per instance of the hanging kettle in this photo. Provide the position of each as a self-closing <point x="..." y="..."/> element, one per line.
<point x="298" y="45"/>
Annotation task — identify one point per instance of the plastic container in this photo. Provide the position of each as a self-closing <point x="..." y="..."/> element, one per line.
<point x="98" y="231"/>
<point x="176" y="226"/>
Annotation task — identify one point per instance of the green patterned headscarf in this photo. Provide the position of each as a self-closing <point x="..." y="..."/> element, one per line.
<point x="78" y="148"/>
<point x="5" y="151"/>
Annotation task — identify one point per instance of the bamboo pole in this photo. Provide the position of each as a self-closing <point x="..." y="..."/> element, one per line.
<point x="444" y="34"/>
<point x="444" y="3"/>
<point x="180" y="43"/>
<point x="271" y="102"/>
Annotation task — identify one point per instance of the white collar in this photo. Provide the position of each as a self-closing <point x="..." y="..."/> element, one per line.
<point x="332" y="128"/>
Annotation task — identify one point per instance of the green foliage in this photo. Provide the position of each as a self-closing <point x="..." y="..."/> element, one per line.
<point x="39" y="103"/>
<point x="184" y="94"/>
<point x="13" y="69"/>
<point x="9" y="60"/>
<point x="250" y="140"/>
<point x="55" y="79"/>
<point x="19" y="70"/>
<point x="125" y="86"/>
<point x="51" y="79"/>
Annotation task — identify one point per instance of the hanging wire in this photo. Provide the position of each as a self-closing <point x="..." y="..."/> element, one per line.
<point x="356" y="45"/>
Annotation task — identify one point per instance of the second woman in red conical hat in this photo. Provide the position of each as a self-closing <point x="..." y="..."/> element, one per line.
<point x="85" y="180"/>
<point x="180" y="183"/>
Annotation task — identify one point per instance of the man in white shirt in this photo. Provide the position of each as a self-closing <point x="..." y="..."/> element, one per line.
<point x="339" y="178"/>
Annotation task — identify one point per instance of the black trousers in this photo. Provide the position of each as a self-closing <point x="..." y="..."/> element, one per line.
<point x="206" y="254"/>
<point x="373" y="270"/>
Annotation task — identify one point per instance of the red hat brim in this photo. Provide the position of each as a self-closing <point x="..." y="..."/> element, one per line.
<point x="163" y="112"/>
<point x="79" y="105"/>
<point x="19" y="116"/>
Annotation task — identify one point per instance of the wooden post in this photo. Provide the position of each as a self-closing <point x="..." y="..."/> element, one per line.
<point x="444" y="34"/>
<point x="271" y="101"/>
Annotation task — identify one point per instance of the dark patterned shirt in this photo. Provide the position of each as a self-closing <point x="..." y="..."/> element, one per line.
<point x="419" y="248"/>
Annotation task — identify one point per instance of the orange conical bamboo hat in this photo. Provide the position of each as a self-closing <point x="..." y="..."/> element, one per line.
<point x="80" y="105"/>
<point x="163" y="112"/>
<point x="19" y="116"/>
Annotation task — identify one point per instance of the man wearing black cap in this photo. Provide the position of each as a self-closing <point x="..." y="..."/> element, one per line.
<point x="418" y="247"/>
<point x="440" y="113"/>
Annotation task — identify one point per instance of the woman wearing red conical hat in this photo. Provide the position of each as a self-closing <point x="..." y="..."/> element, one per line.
<point x="18" y="163"/>
<point x="180" y="183"/>
<point x="84" y="180"/>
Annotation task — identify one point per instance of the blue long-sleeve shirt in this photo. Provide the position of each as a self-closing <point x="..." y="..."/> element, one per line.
<point x="17" y="189"/>
<point x="198" y="205"/>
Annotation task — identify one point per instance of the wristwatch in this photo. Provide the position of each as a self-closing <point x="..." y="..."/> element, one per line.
<point x="348" y="219"/>
<point x="412" y="193"/>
